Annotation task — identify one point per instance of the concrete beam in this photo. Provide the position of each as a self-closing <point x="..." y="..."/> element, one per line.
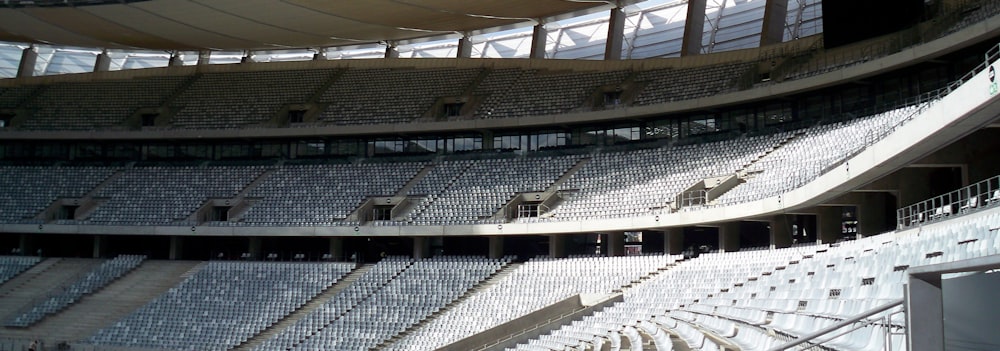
<point x="496" y="247"/>
<point x="103" y="62"/>
<point x="391" y="51"/>
<point x="539" y="39"/>
<point x="673" y="241"/>
<point x="337" y="248"/>
<point x="616" y="244"/>
<point x="421" y="247"/>
<point x="694" y="28"/>
<point x="616" y="35"/>
<point x="781" y="232"/>
<point x="829" y="224"/>
<point x="773" y="29"/>
<point x="26" y="67"/>
<point x="176" y="247"/>
<point x="557" y="245"/>
<point x="729" y="236"/>
<point x="464" y="47"/>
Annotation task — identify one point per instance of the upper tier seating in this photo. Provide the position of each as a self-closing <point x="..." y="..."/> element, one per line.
<point x="240" y="99"/>
<point x="96" y="105"/>
<point x="92" y="281"/>
<point x="676" y="84"/>
<point x="376" y="96"/>
<point x="222" y="305"/>
<point x="537" y="93"/>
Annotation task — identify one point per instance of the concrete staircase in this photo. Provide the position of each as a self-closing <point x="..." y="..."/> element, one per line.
<point x="310" y="306"/>
<point x="485" y="284"/>
<point x="110" y="304"/>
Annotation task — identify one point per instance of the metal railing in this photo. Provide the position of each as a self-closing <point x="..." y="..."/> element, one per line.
<point x="985" y="193"/>
<point x="692" y="198"/>
<point x="822" y="336"/>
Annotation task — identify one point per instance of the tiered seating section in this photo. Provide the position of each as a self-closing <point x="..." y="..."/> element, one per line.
<point x="483" y="187"/>
<point x="92" y="281"/>
<point x="96" y="105"/>
<point x="454" y="191"/>
<point x="226" y="100"/>
<point x="535" y="284"/>
<point x="376" y="96"/>
<point x="761" y="299"/>
<point x="11" y="266"/>
<point x="164" y="195"/>
<point x="394" y="295"/>
<point x="222" y="305"/>
<point x="317" y="195"/>
<point x="235" y="100"/>
<point x="28" y="190"/>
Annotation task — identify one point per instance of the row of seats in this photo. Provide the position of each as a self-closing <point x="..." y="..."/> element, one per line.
<point x="609" y="184"/>
<point x="94" y="280"/>
<point x="221" y="305"/>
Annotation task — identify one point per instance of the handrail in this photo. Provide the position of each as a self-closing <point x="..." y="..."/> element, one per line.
<point x="834" y="327"/>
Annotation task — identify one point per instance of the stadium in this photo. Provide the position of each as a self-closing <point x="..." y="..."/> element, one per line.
<point x="499" y="175"/>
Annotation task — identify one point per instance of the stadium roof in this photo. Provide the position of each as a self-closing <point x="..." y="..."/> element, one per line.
<point x="266" y="24"/>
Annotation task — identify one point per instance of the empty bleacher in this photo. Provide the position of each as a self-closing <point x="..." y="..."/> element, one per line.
<point x="222" y="305"/>
<point x="92" y="281"/>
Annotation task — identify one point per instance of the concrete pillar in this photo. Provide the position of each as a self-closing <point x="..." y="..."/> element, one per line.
<point x="694" y="28"/>
<point x="103" y="62"/>
<point x="204" y="57"/>
<point x="320" y="55"/>
<point x="26" y="245"/>
<point x="674" y="241"/>
<point x="539" y="38"/>
<point x="464" y="47"/>
<point x="557" y="245"/>
<point x="255" y="248"/>
<point x="175" y="60"/>
<point x="829" y="224"/>
<point x="391" y="51"/>
<point x="871" y="214"/>
<point x="496" y="247"/>
<point x="616" y="34"/>
<point x="176" y="247"/>
<point x="781" y="232"/>
<point x="616" y="244"/>
<point x="773" y="29"/>
<point x="421" y="247"/>
<point x="26" y="68"/>
<point x="337" y="248"/>
<point x="100" y="246"/>
<point x="247" y="58"/>
<point x="729" y="237"/>
<point x="925" y="314"/>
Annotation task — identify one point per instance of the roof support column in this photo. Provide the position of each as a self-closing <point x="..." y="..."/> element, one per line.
<point x="204" y="57"/>
<point x="694" y="27"/>
<point x="175" y="60"/>
<point x="103" y="62"/>
<point x="464" y="47"/>
<point x="772" y="31"/>
<point x="616" y="34"/>
<point x="26" y="68"/>
<point x="391" y="51"/>
<point x="539" y="38"/>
